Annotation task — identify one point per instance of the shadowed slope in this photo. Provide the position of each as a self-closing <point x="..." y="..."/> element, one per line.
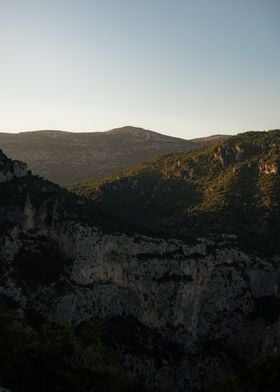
<point x="230" y="187"/>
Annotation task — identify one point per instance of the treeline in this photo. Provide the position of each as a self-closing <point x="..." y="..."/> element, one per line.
<point x="58" y="357"/>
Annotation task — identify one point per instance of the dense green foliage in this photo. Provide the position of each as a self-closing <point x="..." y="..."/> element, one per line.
<point x="58" y="357"/>
<point x="53" y="359"/>
<point x="230" y="187"/>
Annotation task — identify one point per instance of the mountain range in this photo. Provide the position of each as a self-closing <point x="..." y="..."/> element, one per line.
<point x="66" y="157"/>
<point x="164" y="277"/>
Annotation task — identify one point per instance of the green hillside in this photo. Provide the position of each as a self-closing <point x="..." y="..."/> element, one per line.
<point x="69" y="157"/>
<point x="231" y="187"/>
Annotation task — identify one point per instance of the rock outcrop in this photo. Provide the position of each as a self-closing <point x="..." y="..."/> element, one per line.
<point x="10" y="169"/>
<point x="269" y="168"/>
<point x="227" y="155"/>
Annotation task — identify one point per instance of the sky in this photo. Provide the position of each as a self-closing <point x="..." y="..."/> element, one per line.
<point x="186" y="68"/>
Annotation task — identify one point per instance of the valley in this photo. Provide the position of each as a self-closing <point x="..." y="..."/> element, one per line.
<point x="174" y="261"/>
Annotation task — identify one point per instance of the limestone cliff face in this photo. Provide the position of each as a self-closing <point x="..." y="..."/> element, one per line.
<point x="218" y="303"/>
<point x="270" y="168"/>
<point x="230" y="154"/>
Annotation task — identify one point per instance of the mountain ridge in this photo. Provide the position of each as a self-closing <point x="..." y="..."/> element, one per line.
<point x="213" y="188"/>
<point x="68" y="157"/>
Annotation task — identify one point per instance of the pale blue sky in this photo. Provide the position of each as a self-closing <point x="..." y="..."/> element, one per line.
<point x="182" y="67"/>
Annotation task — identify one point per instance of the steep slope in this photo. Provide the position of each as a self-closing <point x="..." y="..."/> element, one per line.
<point x="182" y="313"/>
<point x="65" y="157"/>
<point x="231" y="187"/>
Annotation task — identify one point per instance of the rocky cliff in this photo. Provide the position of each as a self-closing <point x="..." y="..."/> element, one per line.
<point x="219" y="304"/>
<point x="11" y="169"/>
<point x="215" y="306"/>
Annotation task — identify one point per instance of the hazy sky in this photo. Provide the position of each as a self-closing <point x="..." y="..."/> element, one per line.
<point x="182" y="67"/>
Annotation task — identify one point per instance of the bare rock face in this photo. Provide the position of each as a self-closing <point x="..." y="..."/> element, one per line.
<point x="269" y="168"/>
<point x="220" y="305"/>
<point x="10" y="169"/>
<point x="228" y="155"/>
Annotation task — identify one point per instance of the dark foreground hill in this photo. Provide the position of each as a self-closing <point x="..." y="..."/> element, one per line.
<point x="88" y="303"/>
<point x="231" y="187"/>
<point x="66" y="157"/>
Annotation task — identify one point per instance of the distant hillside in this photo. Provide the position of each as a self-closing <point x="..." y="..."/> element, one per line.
<point x="66" y="157"/>
<point x="230" y="187"/>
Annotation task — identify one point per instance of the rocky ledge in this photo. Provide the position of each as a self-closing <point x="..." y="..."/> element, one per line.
<point x="10" y="169"/>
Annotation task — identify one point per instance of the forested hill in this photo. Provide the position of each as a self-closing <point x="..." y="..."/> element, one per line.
<point x="67" y="157"/>
<point x="230" y="187"/>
